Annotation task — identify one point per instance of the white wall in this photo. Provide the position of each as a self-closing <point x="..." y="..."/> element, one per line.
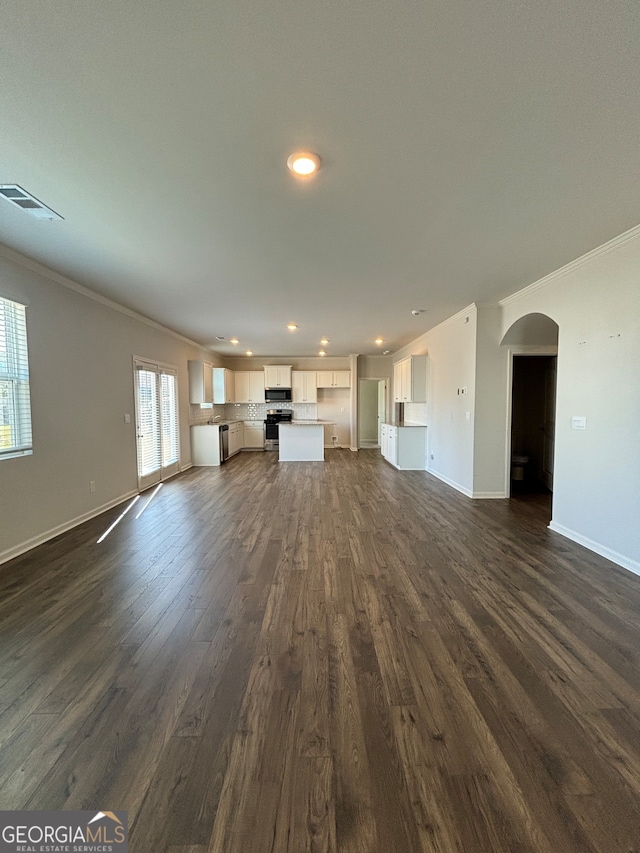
<point x="490" y="412"/>
<point x="596" y="303"/>
<point x="451" y="366"/>
<point x="81" y="372"/>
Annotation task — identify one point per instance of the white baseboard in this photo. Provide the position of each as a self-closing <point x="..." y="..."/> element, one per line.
<point x="493" y="496"/>
<point x="186" y="467"/>
<point x="597" y="548"/>
<point x="23" y="547"/>
<point x="451" y="483"/>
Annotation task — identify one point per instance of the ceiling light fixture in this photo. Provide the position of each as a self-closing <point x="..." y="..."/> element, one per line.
<point x="322" y="352"/>
<point x="324" y="342"/>
<point x="292" y="327"/>
<point x="379" y="341"/>
<point x="249" y="352"/>
<point x="303" y="164"/>
<point x="234" y="341"/>
<point x="386" y="352"/>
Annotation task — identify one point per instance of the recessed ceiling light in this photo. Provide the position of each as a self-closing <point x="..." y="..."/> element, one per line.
<point x="249" y="352"/>
<point x="324" y="342"/>
<point x="379" y="341"/>
<point x="303" y="164"/>
<point x="292" y="327"/>
<point x="234" y="341"/>
<point x="322" y="352"/>
<point x="386" y="352"/>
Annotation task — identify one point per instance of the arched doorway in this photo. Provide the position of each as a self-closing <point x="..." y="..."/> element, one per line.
<point x="533" y="347"/>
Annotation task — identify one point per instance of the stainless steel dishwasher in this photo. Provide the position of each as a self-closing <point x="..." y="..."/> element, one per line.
<point x="223" y="430"/>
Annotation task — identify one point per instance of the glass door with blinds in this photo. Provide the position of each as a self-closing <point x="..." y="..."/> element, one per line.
<point x="156" y="423"/>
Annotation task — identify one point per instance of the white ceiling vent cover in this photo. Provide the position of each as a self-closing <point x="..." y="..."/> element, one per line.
<point x="25" y="201"/>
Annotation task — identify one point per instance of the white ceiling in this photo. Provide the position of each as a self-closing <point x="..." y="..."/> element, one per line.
<point x="468" y="149"/>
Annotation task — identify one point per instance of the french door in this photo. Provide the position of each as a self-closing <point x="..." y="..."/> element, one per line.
<point x="157" y="440"/>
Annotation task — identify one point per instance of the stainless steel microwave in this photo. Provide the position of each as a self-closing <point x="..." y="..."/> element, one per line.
<point x="277" y="395"/>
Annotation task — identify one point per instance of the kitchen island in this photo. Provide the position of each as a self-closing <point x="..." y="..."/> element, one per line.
<point x="302" y="441"/>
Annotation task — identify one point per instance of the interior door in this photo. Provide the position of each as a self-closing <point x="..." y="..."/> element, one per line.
<point x="157" y="439"/>
<point x="382" y="407"/>
<point x="549" y="428"/>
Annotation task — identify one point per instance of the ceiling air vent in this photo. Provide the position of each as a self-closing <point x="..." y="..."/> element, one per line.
<point x="30" y="204"/>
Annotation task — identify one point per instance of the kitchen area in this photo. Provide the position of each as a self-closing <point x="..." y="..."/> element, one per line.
<point x="296" y="413"/>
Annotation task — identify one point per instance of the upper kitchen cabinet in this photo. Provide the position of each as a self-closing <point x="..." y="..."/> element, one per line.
<point x="334" y="379"/>
<point x="223" y="385"/>
<point x="410" y="380"/>
<point x="277" y="376"/>
<point x="249" y="386"/>
<point x="304" y="386"/>
<point x="200" y="381"/>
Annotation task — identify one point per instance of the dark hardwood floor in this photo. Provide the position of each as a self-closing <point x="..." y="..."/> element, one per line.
<point x="307" y="658"/>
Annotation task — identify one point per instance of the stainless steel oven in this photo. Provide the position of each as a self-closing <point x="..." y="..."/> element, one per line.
<point x="273" y="419"/>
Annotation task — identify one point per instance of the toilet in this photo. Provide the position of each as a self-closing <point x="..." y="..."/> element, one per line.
<point x="517" y="466"/>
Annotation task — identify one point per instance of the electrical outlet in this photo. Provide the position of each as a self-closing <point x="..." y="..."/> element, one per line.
<point x="92" y="486"/>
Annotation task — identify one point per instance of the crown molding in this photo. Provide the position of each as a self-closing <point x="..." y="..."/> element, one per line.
<point x="58" y="278"/>
<point x="604" y="249"/>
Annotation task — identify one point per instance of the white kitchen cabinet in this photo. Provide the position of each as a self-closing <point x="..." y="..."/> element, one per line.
<point x="334" y="378"/>
<point x="277" y="376"/>
<point x="404" y="447"/>
<point x="254" y="434"/>
<point x="205" y="444"/>
<point x="304" y="387"/>
<point x="236" y="437"/>
<point x="223" y="385"/>
<point x="249" y="386"/>
<point x="410" y="380"/>
<point x="200" y="381"/>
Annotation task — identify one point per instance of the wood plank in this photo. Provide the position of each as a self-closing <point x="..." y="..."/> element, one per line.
<point x="322" y="658"/>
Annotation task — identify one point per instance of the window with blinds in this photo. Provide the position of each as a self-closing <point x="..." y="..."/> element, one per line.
<point x="158" y="439"/>
<point x="15" y="402"/>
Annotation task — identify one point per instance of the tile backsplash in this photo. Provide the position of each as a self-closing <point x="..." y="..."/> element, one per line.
<point x="248" y="412"/>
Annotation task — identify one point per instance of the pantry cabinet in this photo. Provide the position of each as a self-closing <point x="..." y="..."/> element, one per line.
<point x="304" y="387"/>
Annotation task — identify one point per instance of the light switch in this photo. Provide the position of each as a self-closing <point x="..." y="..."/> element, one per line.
<point x="578" y="422"/>
<point x="127" y="418"/>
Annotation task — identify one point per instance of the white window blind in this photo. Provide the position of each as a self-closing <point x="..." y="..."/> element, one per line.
<point x="149" y="423"/>
<point x="15" y="402"/>
<point x="158" y="439"/>
<point x="169" y="420"/>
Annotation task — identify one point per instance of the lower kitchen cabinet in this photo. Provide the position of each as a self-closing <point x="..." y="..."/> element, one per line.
<point x="236" y="437"/>
<point x="253" y="435"/>
<point x="404" y="447"/>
